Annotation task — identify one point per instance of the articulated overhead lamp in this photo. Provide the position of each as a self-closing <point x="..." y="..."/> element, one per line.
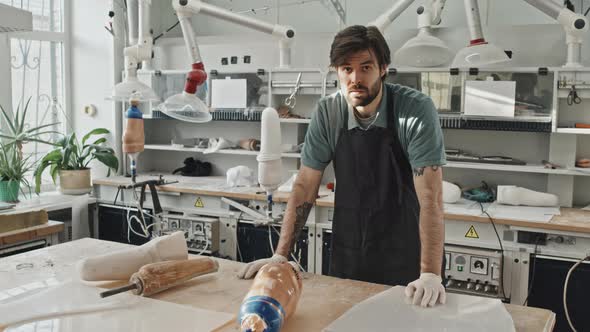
<point x="132" y="88"/>
<point x="479" y="52"/>
<point x="187" y="106"/>
<point x="140" y="49"/>
<point x="575" y="25"/>
<point x="424" y="50"/>
<point x="336" y="7"/>
<point x="13" y="19"/>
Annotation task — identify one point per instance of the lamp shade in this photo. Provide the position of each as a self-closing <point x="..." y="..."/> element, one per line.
<point x="480" y="55"/>
<point x="186" y="107"/>
<point x="132" y="87"/>
<point x="424" y="50"/>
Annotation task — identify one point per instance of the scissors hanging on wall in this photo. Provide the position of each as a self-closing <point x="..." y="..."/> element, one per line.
<point x="572" y="96"/>
<point x="291" y="100"/>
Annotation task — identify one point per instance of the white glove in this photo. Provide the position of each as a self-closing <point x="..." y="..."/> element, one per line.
<point x="427" y="291"/>
<point x="248" y="271"/>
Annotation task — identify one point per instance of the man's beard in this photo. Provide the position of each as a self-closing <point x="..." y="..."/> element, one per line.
<point x="370" y="94"/>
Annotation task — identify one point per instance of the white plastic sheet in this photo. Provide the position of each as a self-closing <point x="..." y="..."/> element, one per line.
<point x="240" y="176"/>
<point x="73" y="307"/>
<point x="389" y="311"/>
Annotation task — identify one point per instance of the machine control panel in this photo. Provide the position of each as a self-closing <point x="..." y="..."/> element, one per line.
<point x="201" y="233"/>
<point x="473" y="271"/>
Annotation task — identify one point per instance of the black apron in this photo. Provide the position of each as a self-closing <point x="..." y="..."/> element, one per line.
<point x="375" y="229"/>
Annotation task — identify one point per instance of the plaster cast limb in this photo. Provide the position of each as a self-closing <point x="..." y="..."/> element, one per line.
<point x="122" y="264"/>
<point x="272" y="298"/>
<point x="513" y="195"/>
<point x="451" y="192"/>
<point x="133" y="137"/>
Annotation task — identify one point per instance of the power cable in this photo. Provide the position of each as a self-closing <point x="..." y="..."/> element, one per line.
<point x="501" y="247"/>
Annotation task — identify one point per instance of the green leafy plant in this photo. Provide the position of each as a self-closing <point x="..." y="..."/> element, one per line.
<point x="18" y="132"/>
<point x="74" y="155"/>
<point x="14" y="168"/>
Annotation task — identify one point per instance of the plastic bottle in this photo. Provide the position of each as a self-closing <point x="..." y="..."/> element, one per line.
<point x="272" y="298"/>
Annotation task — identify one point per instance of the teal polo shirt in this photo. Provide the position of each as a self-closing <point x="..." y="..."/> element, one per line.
<point x="416" y="119"/>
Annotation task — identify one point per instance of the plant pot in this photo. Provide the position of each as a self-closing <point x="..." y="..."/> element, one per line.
<point x="9" y="191"/>
<point x="75" y="182"/>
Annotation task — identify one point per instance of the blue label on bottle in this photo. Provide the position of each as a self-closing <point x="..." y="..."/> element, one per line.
<point x="267" y="308"/>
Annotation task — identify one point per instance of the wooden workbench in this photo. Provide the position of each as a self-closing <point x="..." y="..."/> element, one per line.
<point x="48" y="201"/>
<point x="31" y="233"/>
<point x="323" y="300"/>
<point x="570" y="220"/>
<point x="207" y="186"/>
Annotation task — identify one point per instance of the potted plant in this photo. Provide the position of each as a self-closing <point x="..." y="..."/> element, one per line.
<point x="70" y="161"/>
<point x="13" y="169"/>
<point x="17" y="132"/>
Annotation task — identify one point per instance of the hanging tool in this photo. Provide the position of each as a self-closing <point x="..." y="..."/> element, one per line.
<point x="572" y="97"/>
<point x="156" y="277"/>
<point x="291" y="101"/>
<point x="285" y="110"/>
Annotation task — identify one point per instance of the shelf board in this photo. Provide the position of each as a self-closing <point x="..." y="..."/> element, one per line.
<point x="539" y="169"/>
<point x="165" y="147"/>
<point x="304" y="121"/>
<point x="294" y="121"/>
<point x="291" y="155"/>
<point x="581" y="131"/>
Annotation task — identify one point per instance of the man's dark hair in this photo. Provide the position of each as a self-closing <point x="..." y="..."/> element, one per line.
<point x="358" y="38"/>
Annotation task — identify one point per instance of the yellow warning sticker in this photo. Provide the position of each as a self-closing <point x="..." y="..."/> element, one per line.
<point x="199" y="203"/>
<point x="471" y="233"/>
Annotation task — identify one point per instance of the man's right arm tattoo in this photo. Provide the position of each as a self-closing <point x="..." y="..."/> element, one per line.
<point x="420" y="171"/>
<point x="301" y="214"/>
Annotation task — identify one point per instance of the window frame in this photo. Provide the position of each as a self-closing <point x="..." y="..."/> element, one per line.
<point x="63" y="37"/>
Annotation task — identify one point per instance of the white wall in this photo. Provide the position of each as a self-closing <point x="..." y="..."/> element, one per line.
<point x="533" y="37"/>
<point x="93" y="70"/>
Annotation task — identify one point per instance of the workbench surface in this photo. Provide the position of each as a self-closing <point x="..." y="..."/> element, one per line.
<point x="49" y="201"/>
<point x="570" y="220"/>
<point x="323" y="300"/>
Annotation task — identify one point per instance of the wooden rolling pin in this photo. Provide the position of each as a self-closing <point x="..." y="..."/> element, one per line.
<point x="156" y="277"/>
